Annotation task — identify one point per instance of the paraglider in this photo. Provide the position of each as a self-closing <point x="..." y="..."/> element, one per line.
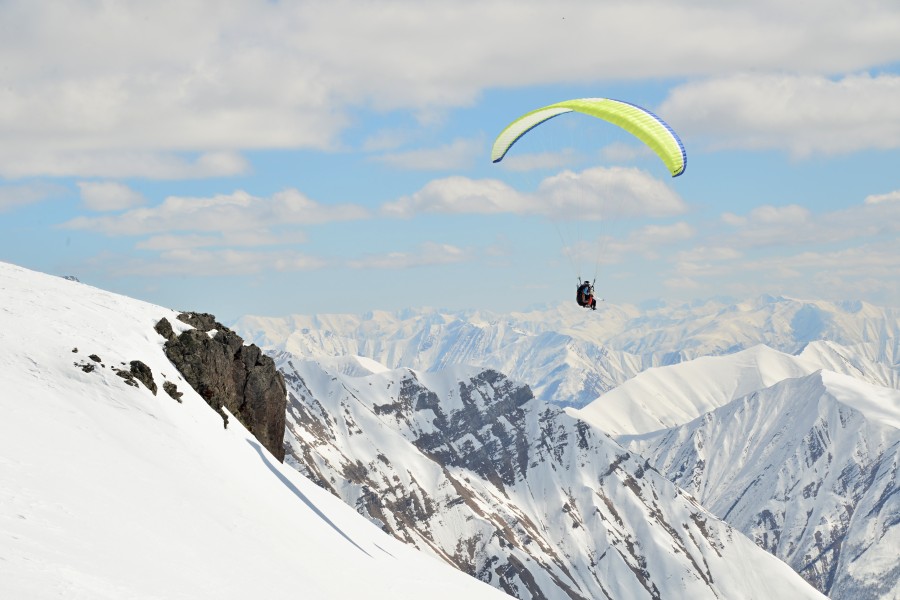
<point x="639" y="122"/>
<point x="585" y="295"/>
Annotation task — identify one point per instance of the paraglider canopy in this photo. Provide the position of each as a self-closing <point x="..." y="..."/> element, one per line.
<point x="641" y="123"/>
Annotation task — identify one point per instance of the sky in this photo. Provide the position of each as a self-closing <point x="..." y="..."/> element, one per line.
<point x="269" y="158"/>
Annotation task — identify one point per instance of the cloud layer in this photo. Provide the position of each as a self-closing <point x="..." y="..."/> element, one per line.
<point x="592" y="194"/>
<point x="802" y="114"/>
<point x="236" y="212"/>
<point x="86" y="80"/>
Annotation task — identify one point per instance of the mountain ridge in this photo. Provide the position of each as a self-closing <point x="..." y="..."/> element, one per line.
<point x="813" y="479"/>
<point x="471" y="467"/>
<point x="570" y="356"/>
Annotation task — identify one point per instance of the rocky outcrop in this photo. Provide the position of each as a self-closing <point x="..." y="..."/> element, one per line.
<point x="468" y="466"/>
<point x="142" y="373"/>
<point x="226" y="373"/>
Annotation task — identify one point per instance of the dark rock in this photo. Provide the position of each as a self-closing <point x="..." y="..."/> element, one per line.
<point x="95" y="358"/>
<point x="164" y="328"/>
<point x="172" y="390"/>
<point x="143" y="374"/>
<point x="201" y="321"/>
<point x="75" y="350"/>
<point x="86" y="367"/>
<point x="228" y="374"/>
<point x="128" y="377"/>
<point x="501" y="455"/>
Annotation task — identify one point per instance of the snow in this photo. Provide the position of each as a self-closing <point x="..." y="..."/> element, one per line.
<point x="111" y="492"/>
<point x="807" y="467"/>
<point x="570" y="356"/>
<point x="665" y="397"/>
<point x="565" y="512"/>
<point x="670" y="396"/>
<point x="779" y="414"/>
<point x="875" y="403"/>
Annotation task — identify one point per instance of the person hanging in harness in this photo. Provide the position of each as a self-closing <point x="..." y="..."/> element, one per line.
<point x="585" y="296"/>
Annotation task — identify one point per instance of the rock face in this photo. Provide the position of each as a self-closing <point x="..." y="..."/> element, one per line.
<point x="226" y="373"/>
<point x="468" y="466"/>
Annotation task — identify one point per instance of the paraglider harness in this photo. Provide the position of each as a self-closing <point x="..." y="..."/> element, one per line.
<point x="585" y="295"/>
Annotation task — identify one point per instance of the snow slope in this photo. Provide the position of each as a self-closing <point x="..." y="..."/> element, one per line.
<point x="111" y="492"/>
<point x="809" y="468"/>
<point x="663" y="397"/>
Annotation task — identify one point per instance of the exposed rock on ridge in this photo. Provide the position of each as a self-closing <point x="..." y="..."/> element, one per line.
<point x="470" y="467"/>
<point x="226" y="373"/>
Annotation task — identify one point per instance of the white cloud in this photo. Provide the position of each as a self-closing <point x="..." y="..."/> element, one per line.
<point x="622" y="152"/>
<point x="386" y="139"/>
<point x="588" y="195"/>
<point x="14" y="196"/>
<point x="600" y="193"/>
<point x="427" y="254"/>
<point x="802" y="114"/>
<point x="866" y="270"/>
<point x="458" y="154"/>
<point x="681" y="283"/>
<point x="227" y="239"/>
<point x="708" y="253"/>
<point x="538" y="161"/>
<point x="236" y="212"/>
<point x="458" y="195"/>
<point x="647" y="242"/>
<point x="849" y="253"/>
<point x="108" y="196"/>
<point x="889" y="197"/>
<point x="19" y="162"/>
<point x="195" y="262"/>
<point x="661" y="235"/>
<point x="771" y="226"/>
<point x="168" y="76"/>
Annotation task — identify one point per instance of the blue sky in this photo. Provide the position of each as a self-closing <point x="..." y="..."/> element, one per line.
<point x="308" y="157"/>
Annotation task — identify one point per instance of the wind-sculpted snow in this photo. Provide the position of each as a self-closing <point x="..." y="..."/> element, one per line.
<point x="809" y="468"/>
<point x="570" y="356"/>
<point x="471" y="467"/>
<point x="109" y="491"/>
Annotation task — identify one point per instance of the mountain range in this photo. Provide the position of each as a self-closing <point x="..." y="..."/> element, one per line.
<point x="803" y="459"/>
<point x="471" y="467"/>
<point x="810" y="476"/>
<point x="712" y="450"/>
<point x="570" y="356"/>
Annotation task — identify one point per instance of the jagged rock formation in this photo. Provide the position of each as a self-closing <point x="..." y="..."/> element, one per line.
<point x="470" y="467"/>
<point x="216" y="363"/>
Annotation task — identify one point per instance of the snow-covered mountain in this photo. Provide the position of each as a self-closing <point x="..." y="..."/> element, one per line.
<point x="570" y="356"/>
<point x="108" y="490"/>
<point x="804" y="461"/>
<point x="469" y="466"/>
<point x="656" y="375"/>
<point x="663" y="397"/>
